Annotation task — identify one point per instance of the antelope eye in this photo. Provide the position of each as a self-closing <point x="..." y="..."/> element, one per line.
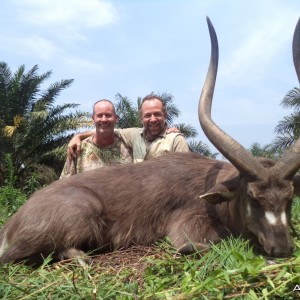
<point x="255" y="204"/>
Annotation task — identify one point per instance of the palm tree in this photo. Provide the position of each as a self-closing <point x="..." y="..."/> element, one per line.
<point x="33" y="131"/>
<point x="201" y="148"/>
<point x="187" y="130"/>
<point x="264" y="151"/>
<point x="288" y="129"/>
<point x="127" y="112"/>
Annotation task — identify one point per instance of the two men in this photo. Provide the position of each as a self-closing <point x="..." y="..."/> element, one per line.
<point x="148" y="142"/>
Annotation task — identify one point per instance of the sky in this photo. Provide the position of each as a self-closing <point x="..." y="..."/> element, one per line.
<point x="136" y="47"/>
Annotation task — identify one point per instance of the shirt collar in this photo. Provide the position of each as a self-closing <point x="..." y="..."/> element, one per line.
<point x="162" y="134"/>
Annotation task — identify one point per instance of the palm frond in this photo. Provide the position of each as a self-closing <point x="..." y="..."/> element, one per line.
<point x="48" y="97"/>
<point x="282" y="142"/>
<point x="127" y="112"/>
<point x="201" y="148"/>
<point x="288" y="129"/>
<point x="267" y="151"/>
<point x="187" y="130"/>
<point x="292" y="99"/>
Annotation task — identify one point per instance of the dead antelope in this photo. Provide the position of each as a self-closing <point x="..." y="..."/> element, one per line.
<point x="115" y="207"/>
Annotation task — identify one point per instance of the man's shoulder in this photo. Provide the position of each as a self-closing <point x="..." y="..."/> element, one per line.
<point x="131" y="129"/>
<point x="178" y="142"/>
<point x="174" y="135"/>
<point x="129" y="133"/>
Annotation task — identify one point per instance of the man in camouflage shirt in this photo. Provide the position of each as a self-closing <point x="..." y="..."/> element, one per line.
<point x="102" y="148"/>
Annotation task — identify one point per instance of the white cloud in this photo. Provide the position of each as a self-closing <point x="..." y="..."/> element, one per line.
<point x="75" y="13"/>
<point x="31" y="46"/>
<point x="48" y="29"/>
<point x="76" y="64"/>
<point x="259" y="47"/>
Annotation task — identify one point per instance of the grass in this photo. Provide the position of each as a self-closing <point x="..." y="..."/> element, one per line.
<point x="231" y="270"/>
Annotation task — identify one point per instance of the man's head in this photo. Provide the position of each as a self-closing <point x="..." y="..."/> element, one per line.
<point x="104" y="117"/>
<point x="153" y="116"/>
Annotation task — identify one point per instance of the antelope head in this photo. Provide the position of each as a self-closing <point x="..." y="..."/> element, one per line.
<point x="264" y="188"/>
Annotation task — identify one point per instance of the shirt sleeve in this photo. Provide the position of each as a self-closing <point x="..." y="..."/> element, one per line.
<point x="127" y="135"/>
<point x="180" y="144"/>
<point x="68" y="169"/>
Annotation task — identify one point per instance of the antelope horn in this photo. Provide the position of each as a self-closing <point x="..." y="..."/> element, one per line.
<point x="296" y="49"/>
<point x="231" y="149"/>
<point x="289" y="163"/>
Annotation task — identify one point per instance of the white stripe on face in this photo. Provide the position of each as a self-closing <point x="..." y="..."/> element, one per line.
<point x="248" y="210"/>
<point x="271" y="218"/>
<point x="283" y="218"/>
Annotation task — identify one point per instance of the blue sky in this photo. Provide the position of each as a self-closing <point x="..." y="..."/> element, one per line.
<point x="135" y="47"/>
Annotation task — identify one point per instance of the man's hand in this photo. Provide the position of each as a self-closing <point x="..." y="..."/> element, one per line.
<point x="173" y="129"/>
<point x="74" y="147"/>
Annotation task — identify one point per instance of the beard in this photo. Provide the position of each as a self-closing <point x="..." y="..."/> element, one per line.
<point x="152" y="132"/>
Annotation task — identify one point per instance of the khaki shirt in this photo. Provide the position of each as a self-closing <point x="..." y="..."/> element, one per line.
<point x="92" y="156"/>
<point x="144" y="150"/>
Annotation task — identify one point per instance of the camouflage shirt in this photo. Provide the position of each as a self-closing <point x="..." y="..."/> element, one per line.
<point x="92" y="156"/>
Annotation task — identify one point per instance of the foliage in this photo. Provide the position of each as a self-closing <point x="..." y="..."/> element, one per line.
<point x="32" y="129"/>
<point x="187" y="130"/>
<point x="127" y="112"/>
<point x="264" y="151"/>
<point x="296" y="214"/>
<point x="37" y="176"/>
<point x="288" y="129"/>
<point x="10" y="201"/>
<point x="201" y="148"/>
<point x="10" y="177"/>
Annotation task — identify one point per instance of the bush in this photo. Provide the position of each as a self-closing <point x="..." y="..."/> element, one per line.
<point x="10" y="201"/>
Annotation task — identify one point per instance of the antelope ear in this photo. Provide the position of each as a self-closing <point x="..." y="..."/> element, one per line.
<point x="223" y="191"/>
<point x="297" y="185"/>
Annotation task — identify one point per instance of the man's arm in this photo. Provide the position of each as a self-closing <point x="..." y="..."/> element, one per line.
<point x="127" y="135"/>
<point x="74" y="145"/>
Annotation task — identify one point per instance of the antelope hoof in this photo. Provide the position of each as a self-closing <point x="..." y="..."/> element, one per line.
<point x="189" y="248"/>
<point x="72" y="253"/>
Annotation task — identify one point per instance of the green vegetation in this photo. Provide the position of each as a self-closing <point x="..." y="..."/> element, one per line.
<point x="288" y="129"/>
<point x="10" y="200"/>
<point x="33" y="131"/>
